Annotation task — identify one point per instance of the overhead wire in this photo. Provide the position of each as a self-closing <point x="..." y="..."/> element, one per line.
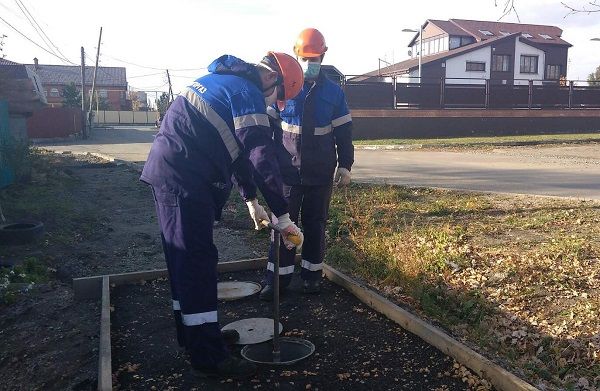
<point x="35" y="43"/>
<point x="42" y="30"/>
<point x="154" y="68"/>
<point x="35" y="28"/>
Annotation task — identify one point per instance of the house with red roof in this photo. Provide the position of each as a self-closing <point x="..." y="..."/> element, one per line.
<point x="471" y="51"/>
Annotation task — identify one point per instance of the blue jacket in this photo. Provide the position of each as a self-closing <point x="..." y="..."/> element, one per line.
<point x="218" y="127"/>
<point x="313" y="134"/>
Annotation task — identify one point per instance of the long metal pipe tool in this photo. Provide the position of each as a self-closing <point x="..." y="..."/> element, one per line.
<point x="283" y="350"/>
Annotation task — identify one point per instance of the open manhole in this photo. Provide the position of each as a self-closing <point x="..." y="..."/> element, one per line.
<point x="291" y="350"/>
<point x="234" y="290"/>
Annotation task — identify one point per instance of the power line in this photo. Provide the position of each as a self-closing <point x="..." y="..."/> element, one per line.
<point x="42" y="30"/>
<point x="35" y="43"/>
<point x="34" y="27"/>
<point x="149" y="74"/>
<point x="153" y="68"/>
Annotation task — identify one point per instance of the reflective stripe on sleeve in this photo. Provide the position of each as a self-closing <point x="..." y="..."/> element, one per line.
<point x="248" y="120"/>
<point x="282" y="270"/>
<point x="313" y="267"/>
<point x="297" y="129"/>
<point x="176" y="305"/>
<point x="199" y="318"/>
<point x="216" y="121"/>
<point x="341" y="120"/>
<point x="323" y="130"/>
<point x="271" y="112"/>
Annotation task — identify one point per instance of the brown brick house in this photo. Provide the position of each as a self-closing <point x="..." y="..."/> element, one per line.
<point x="111" y="83"/>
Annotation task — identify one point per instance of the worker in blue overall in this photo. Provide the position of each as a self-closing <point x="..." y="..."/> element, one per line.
<point x="215" y="133"/>
<point x="313" y="137"/>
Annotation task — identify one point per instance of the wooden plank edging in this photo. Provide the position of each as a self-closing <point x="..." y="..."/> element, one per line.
<point x="499" y="377"/>
<point x="105" y="359"/>
<point x="90" y="287"/>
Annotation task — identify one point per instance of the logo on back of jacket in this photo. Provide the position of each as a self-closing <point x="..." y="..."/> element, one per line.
<point x="198" y="87"/>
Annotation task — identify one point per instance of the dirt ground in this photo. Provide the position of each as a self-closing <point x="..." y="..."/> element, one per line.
<point x="99" y="219"/>
<point x="356" y="348"/>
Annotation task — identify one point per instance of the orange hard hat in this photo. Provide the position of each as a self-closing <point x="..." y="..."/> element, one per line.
<point x="310" y="43"/>
<point x="292" y="77"/>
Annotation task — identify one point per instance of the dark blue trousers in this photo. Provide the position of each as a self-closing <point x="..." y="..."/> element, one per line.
<point x="310" y="205"/>
<point x="186" y="225"/>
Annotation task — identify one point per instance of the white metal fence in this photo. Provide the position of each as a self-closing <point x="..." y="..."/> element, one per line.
<point x="109" y="117"/>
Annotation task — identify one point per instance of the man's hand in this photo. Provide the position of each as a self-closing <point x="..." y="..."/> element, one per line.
<point x="342" y="177"/>
<point x="257" y="213"/>
<point x="287" y="228"/>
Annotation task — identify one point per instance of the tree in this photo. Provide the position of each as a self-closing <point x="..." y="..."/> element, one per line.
<point x="594" y="77"/>
<point x="163" y="103"/>
<point x="135" y="100"/>
<point x="589" y="7"/>
<point x="72" y="96"/>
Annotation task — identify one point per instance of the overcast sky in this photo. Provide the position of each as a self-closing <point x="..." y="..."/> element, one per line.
<point x="189" y="34"/>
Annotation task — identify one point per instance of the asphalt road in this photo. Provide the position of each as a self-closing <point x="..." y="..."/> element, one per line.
<point x="568" y="171"/>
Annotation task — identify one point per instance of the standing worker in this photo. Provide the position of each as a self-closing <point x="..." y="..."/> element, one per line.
<point x="215" y="132"/>
<point x="313" y="135"/>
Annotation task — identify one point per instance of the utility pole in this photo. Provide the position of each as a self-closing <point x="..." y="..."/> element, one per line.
<point x="83" y="90"/>
<point x="94" y="80"/>
<point x="170" y="87"/>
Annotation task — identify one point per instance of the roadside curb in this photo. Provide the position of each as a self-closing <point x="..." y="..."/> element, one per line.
<point x="392" y="147"/>
<point x="134" y="166"/>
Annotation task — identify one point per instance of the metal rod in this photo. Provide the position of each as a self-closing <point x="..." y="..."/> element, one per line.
<point x="276" y="349"/>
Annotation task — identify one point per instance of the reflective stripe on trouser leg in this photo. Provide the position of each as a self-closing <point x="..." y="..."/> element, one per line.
<point x="286" y="257"/>
<point x="315" y="209"/>
<point x="187" y="226"/>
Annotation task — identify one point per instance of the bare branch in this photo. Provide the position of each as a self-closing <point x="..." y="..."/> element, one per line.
<point x="509" y="8"/>
<point x="591" y="7"/>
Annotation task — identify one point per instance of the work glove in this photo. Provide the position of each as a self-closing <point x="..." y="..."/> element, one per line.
<point x="287" y="227"/>
<point x="257" y="213"/>
<point x="342" y="177"/>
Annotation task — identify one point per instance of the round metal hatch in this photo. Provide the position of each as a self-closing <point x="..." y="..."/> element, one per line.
<point x="234" y="290"/>
<point x="253" y="330"/>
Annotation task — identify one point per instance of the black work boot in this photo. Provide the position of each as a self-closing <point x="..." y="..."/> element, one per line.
<point x="311" y="286"/>
<point x="267" y="292"/>
<point x="231" y="367"/>
<point x="230" y="337"/>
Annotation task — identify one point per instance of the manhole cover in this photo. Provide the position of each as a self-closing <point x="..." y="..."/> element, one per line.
<point x="253" y="330"/>
<point x="233" y="290"/>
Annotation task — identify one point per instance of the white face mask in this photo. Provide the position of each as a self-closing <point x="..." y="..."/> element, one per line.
<point x="271" y="99"/>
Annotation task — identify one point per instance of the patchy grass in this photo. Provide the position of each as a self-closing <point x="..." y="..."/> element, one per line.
<point x="518" y="277"/>
<point x="491" y="140"/>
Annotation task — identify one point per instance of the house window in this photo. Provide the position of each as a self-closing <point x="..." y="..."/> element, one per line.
<point x="486" y="32"/>
<point x="103" y="94"/>
<point x="553" y="72"/>
<point x="474" y="66"/>
<point x="526" y="35"/>
<point x="500" y="63"/>
<point x="545" y="36"/>
<point x="54" y="92"/>
<point x="529" y="64"/>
